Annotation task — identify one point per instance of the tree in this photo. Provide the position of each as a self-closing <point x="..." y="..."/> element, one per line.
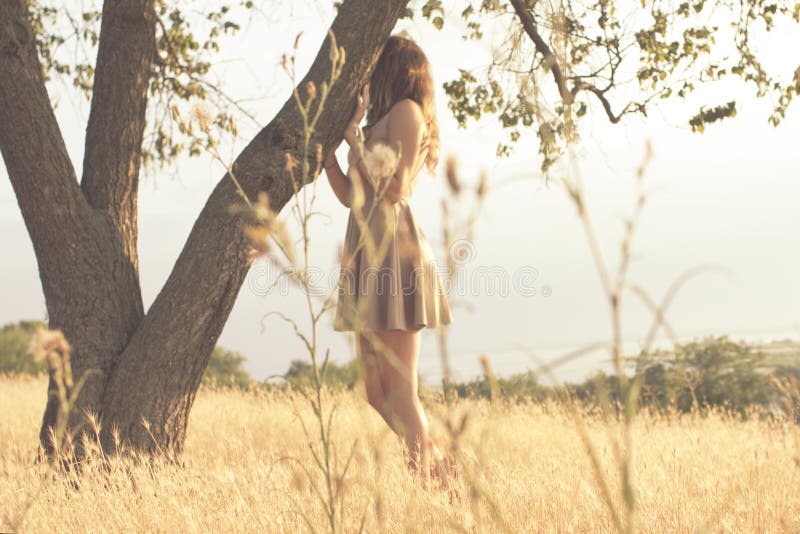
<point x="559" y="60"/>
<point x="84" y="233"/>
<point x="724" y="373"/>
<point x="711" y="372"/>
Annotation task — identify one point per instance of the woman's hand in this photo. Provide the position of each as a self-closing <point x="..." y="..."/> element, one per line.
<point x="351" y="132"/>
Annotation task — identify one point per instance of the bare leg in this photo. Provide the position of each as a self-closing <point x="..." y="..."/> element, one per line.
<point x="391" y="385"/>
<point x="398" y="373"/>
<point x="368" y="355"/>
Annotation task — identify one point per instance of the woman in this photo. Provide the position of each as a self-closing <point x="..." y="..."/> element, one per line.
<point x="389" y="289"/>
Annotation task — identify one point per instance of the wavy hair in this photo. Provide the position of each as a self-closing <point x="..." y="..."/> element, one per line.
<point x="403" y="71"/>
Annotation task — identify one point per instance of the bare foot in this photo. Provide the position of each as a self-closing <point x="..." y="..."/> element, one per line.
<point x="445" y="470"/>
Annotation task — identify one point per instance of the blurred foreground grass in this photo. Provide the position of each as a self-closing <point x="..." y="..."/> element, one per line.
<point x="691" y="473"/>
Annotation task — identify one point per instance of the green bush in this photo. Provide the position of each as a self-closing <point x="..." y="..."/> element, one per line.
<point x="14" y="341"/>
<point x="715" y="372"/>
<point x="225" y="369"/>
<point x="344" y="376"/>
<point x="519" y="387"/>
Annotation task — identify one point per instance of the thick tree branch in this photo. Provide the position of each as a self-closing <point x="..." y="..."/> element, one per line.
<point x="171" y="347"/>
<point x="117" y="117"/>
<point x="30" y="139"/>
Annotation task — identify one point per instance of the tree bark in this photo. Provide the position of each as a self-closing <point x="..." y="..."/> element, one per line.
<point x="117" y="116"/>
<point x="85" y="236"/>
<point x="88" y="280"/>
<point x="160" y="369"/>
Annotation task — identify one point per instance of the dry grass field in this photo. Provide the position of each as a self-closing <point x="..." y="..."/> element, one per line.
<point x="525" y="470"/>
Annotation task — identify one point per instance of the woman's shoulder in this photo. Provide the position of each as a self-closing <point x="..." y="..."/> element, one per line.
<point x="407" y="115"/>
<point x="405" y="109"/>
<point x="408" y="109"/>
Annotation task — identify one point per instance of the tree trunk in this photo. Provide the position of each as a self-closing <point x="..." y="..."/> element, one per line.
<point x="88" y="275"/>
<point x="84" y="237"/>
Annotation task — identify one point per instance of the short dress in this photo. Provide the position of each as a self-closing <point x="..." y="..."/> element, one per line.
<point x="400" y="289"/>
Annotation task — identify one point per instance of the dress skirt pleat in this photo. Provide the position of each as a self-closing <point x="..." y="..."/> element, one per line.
<point x="398" y="290"/>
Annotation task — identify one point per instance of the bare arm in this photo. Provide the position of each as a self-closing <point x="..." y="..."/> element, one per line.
<point x="340" y="182"/>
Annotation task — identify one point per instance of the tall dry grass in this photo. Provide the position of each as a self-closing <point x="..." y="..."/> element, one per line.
<point x="712" y="473"/>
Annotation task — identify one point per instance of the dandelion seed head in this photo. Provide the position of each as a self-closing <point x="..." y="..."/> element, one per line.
<point x="380" y="161"/>
<point x="47" y="343"/>
<point x="202" y="115"/>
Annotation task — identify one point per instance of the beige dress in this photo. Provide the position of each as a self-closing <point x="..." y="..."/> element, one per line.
<point x="400" y="289"/>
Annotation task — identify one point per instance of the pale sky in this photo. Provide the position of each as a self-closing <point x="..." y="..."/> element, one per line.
<point x="728" y="197"/>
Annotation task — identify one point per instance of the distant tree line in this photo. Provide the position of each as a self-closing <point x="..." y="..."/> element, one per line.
<point x="710" y="373"/>
<point x="224" y="368"/>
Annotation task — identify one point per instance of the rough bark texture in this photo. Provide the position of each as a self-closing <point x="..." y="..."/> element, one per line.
<point x="89" y="282"/>
<point x="84" y="237"/>
<point x="117" y="117"/>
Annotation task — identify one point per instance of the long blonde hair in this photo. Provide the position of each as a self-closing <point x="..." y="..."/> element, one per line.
<point x="402" y="71"/>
